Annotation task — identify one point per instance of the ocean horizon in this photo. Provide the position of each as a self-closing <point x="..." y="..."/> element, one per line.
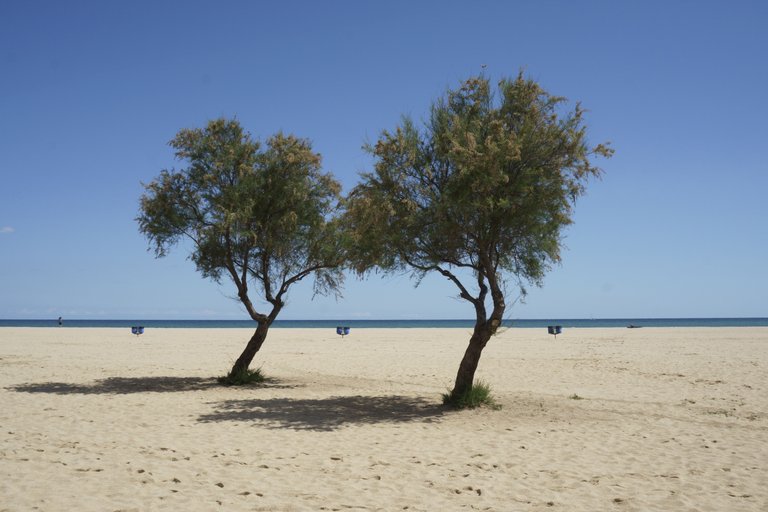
<point x="393" y="324"/>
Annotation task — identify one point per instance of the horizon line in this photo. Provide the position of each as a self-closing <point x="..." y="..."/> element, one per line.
<point x="390" y="319"/>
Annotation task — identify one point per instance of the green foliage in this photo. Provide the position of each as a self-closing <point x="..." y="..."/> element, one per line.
<point x="487" y="185"/>
<point x="255" y="213"/>
<point x="242" y="377"/>
<point x="478" y="395"/>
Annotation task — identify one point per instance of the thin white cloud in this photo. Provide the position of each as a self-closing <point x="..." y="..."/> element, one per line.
<point x="6" y="229"/>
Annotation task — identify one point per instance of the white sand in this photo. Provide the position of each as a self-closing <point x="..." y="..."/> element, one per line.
<point x="98" y="420"/>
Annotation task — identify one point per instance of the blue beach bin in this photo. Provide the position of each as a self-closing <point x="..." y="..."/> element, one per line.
<point x="554" y="330"/>
<point x="137" y="330"/>
<point x="342" y="330"/>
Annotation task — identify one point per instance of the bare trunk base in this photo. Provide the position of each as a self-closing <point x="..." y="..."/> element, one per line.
<point x="254" y="345"/>
<point x="466" y="374"/>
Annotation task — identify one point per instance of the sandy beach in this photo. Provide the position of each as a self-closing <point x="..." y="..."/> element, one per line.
<point x="598" y="419"/>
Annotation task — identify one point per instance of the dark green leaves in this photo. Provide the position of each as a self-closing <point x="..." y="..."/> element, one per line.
<point x="255" y="214"/>
<point x="488" y="184"/>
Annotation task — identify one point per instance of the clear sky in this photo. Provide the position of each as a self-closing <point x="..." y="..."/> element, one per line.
<point x="91" y="92"/>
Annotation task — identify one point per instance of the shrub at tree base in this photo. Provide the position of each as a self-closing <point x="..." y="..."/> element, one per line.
<point x="243" y="377"/>
<point x="479" y="395"/>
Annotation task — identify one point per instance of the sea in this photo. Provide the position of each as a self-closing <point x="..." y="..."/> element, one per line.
<point x="396" y="324"/>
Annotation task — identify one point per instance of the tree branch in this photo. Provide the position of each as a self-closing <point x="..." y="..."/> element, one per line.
<point x="464" y="292"/>
<point x="242" y="284"/>
<point x="267" y="280"/>
<point x="298" y="277"/>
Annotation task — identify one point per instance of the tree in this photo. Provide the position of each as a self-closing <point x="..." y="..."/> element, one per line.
<point x="480" y="195"/>
<point x="255" y="216"/>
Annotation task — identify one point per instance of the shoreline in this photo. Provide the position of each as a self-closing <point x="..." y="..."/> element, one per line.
<point x="410" y="324"/>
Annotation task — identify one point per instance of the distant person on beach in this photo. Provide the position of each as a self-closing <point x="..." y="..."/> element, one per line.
<point x="60" y="322"/>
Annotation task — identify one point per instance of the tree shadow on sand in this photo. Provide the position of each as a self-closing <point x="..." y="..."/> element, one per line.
<point x="128" y="385"/>
<point x="326" y="414"/>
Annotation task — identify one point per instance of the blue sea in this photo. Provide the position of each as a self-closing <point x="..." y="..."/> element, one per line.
<point x="399" y="324"/>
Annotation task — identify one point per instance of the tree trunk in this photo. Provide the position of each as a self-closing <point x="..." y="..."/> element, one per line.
<point x="466" y="374"/>
<point x="255" y="343"/>
<point x="484" y="329"/>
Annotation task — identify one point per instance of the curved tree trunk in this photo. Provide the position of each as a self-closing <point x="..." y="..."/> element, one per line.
<point x="255" y="343"/>
<point x="484" y="329"/>
<point x="466" y="374"/>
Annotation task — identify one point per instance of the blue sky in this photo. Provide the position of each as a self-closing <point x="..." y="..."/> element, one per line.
<point x="91" y="92"/>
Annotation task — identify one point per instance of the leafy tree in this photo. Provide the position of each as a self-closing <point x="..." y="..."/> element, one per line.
<point x="256" y="216"/>
<point x="480" y="195"/>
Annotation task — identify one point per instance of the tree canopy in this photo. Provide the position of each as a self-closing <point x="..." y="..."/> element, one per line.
<point x="256" y="215"/>
<point x="484" y="189"/>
